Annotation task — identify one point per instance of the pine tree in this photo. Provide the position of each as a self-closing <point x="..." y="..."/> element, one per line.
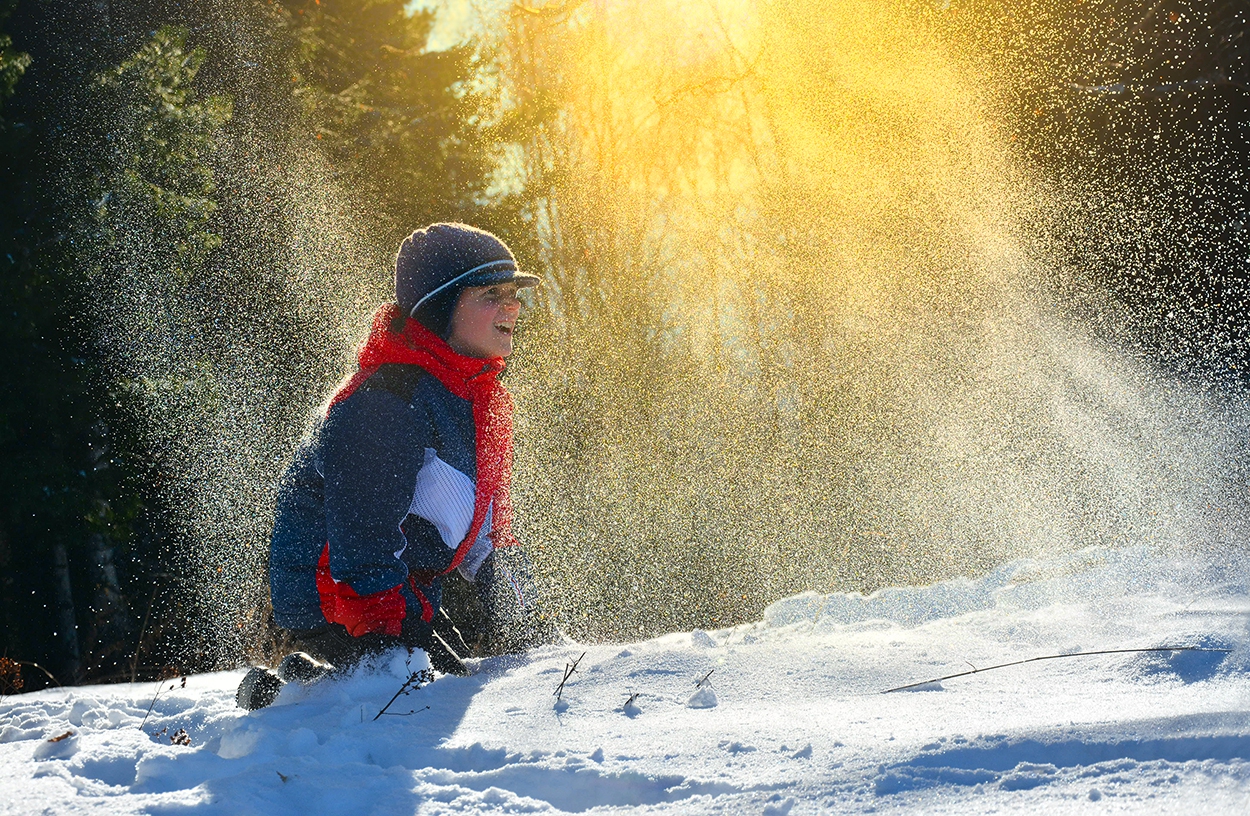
<point x="410" y="128"/>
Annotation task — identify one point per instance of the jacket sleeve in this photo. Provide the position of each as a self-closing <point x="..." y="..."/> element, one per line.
<point x="299" y="534"/>
<point x="373" y="445"/>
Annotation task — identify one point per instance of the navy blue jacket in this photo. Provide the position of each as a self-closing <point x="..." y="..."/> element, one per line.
<point x="386" y="478"/>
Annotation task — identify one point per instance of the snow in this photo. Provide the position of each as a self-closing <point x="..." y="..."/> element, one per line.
<point x="791" y="719"/>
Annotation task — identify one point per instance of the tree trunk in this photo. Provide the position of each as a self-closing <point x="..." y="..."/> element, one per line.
<point x="67" y="626"/>
<point x="112" y="625"/>
<point x="8" y="598"/>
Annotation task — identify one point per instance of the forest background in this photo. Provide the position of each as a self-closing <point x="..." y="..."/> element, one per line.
<point x="201" y="199"/>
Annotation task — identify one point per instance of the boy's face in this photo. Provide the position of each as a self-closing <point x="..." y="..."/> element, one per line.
<point x="484" y="320"/>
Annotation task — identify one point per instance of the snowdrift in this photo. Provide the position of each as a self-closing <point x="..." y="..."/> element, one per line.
<point x="782" y="716"/>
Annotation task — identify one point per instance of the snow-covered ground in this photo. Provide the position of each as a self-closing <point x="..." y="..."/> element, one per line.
<point x="791" y="720"/>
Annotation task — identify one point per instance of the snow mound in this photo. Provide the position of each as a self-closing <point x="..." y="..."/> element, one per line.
<point x="704" y="697"/>
<point x="796" y="724"/>
<point x="1027" y="584"/>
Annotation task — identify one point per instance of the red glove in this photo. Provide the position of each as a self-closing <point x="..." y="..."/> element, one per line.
<point x="382" y="612"/>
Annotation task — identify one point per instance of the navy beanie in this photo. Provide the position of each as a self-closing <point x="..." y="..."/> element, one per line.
<point x="436" y="263"/>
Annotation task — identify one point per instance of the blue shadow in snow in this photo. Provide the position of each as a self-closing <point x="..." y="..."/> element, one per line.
<point x="1020" y="764"/>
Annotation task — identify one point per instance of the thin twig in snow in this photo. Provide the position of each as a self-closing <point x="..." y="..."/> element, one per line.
<point x="155" y="697"/>
<point x="402" y="714"/>
<point x="1056" y="657"/>
<point x="416" y="680"/>
<point x="569" y="668"/>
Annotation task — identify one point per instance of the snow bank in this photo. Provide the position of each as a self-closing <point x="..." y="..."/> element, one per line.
<point x="789" y="718"/>
<point x="1102" y="574"/>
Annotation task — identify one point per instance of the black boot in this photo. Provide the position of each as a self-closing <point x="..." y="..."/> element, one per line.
<point x="302" y="668"/>
<point x="333" y="645"/>
<point x="442" y="657"/>
<point x="446" y="629"/>
<point x="259" y="688"/>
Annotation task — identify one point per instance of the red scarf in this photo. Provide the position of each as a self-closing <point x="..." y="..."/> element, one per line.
<point x="470" y="378"/>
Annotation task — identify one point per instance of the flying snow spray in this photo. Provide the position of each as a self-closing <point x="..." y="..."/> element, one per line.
<point x="799" y="330"/>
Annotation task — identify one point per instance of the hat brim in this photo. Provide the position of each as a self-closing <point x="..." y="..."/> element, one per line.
<point x="490" y="277"/>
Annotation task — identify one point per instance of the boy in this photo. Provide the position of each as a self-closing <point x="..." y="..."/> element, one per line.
<point x="407" y="476"/>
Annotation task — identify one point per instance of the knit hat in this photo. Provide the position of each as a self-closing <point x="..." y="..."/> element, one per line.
<point x="436" y="263"/>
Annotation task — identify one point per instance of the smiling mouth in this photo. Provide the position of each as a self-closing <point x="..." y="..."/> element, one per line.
<point x="504" y="328"/>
